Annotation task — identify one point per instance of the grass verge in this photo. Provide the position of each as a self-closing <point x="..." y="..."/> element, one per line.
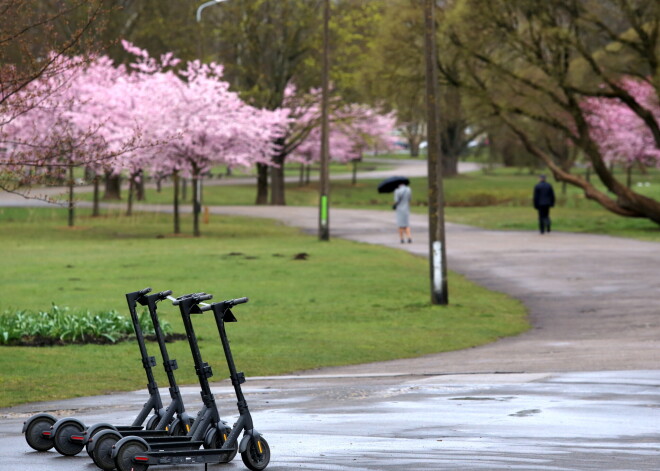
<point x="346" y="303"/>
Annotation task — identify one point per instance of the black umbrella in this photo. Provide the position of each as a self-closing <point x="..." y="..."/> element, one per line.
<point x="392" y="183"/>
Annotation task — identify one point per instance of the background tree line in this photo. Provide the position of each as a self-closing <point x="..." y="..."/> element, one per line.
<point x="517" y="75"/>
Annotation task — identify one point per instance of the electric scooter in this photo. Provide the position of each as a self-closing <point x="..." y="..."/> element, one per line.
<point x="67" y="435"/>
<point x="99" y="444"/>
<point x="207" y="430"/>
<point x="137" y="454"/>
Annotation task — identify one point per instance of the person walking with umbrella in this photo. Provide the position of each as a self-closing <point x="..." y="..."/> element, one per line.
<point x="402" y="197"/>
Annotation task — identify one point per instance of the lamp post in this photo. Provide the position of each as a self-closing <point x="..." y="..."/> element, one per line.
<point x="324" y="190"/>
<point x="197" y="181"/>
<point x="437" y="249"/>
<point x="204" y="5"/>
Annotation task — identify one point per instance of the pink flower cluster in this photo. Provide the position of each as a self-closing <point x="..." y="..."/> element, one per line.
<point x="621" y="135"/>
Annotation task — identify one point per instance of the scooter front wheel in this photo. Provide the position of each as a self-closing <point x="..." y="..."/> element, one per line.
<point x="124" y="458"/>
<point x="257" y="455"/>
<point x="34" y="433"/>
<point x="62" y="438"/>
<point x="102" y="452"/>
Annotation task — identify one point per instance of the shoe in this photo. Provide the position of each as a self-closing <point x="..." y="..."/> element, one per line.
<point x="410" y="241"/>
<point x="403" y="241"/>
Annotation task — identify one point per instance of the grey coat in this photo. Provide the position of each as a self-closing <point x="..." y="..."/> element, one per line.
<point x="402" y="197"/>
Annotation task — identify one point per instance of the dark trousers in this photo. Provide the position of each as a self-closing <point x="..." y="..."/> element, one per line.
<point x="544" y="218"/>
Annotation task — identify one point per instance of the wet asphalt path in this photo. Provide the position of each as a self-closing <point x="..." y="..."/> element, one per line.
<point x="569" y="421"/>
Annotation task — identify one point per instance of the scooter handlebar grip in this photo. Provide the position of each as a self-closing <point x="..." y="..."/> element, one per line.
<point x="178" y="300"/>
<point x="164" y="294"/>
<point x="208" y="307"/>
<point x="236" y="301"/>
<point x="144" y="291"/>
<point x="203" y="297"/>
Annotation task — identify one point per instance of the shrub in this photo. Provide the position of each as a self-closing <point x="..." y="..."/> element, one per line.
<point x="59" y="326"/>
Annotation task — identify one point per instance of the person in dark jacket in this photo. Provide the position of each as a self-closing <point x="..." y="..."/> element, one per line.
<point x="544" y="199"/>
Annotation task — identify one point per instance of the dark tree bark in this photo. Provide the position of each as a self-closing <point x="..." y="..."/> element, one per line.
<point x="112" y="187"/>
<point x="262" y="184"/>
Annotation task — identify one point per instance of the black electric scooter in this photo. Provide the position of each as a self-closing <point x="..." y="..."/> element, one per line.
<point x="99" y="438"/>
<point x="207" y="430"/>
<point x="137" y="454"/>
<point x="67" y="435"/>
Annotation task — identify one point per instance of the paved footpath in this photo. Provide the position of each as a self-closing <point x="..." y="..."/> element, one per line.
<point x="579" y="391"/>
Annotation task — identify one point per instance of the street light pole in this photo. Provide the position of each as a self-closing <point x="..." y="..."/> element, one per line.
<point x="324" y="203"/>
<point x="204" y="5"/>
<point x="437" y="249"/>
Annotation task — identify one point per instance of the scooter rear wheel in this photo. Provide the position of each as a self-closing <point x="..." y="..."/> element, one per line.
<point x="215" y="438"/>
<point x="152" y="423"/>
<point x="257" y="455"/>
<point x="62" y="439"/>
<point x="102" y="454"/>
<point x="89" y="440"/>
<point x="124" y="459"/>
<point x="33" y="434"/>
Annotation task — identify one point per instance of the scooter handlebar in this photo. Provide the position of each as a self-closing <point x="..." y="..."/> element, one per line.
<point x="144" y="291"/>
<point x="164" y="294"/>
<point x="236" y="301"/>
<point x="228" y="303"/>
<point x="199" y="296"/>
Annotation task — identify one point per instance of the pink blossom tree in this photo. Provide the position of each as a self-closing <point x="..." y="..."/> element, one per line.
<point x="71" y="121"/>
<point x="201" y="122"/>
<point x="621" y="134"/>
<point x="353" y="130"/>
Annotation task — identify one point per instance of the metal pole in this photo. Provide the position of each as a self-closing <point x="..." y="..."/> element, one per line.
<point x="437" y="248"/>
<point x="204" y="5"/>
<point x="324" y="203"/>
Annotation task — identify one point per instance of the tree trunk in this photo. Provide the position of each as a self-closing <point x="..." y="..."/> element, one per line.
<point x="71" y="184"/>
<point x="131" y="192"/>
<point x="413" y="145"/>
<point x="277" y="187"/>
<point x="175" y="183"/>
<point x="355" y="167"/>
<point x="262" y="184"/>
<point x="196" y="204"/>
<point x="139" y="186"/>
<point x="112" y="187"/>
<point x="95" y="210"/>
<point x="450" y="165"/>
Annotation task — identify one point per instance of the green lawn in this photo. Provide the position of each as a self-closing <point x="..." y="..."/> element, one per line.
<point x="347" y="303"/>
